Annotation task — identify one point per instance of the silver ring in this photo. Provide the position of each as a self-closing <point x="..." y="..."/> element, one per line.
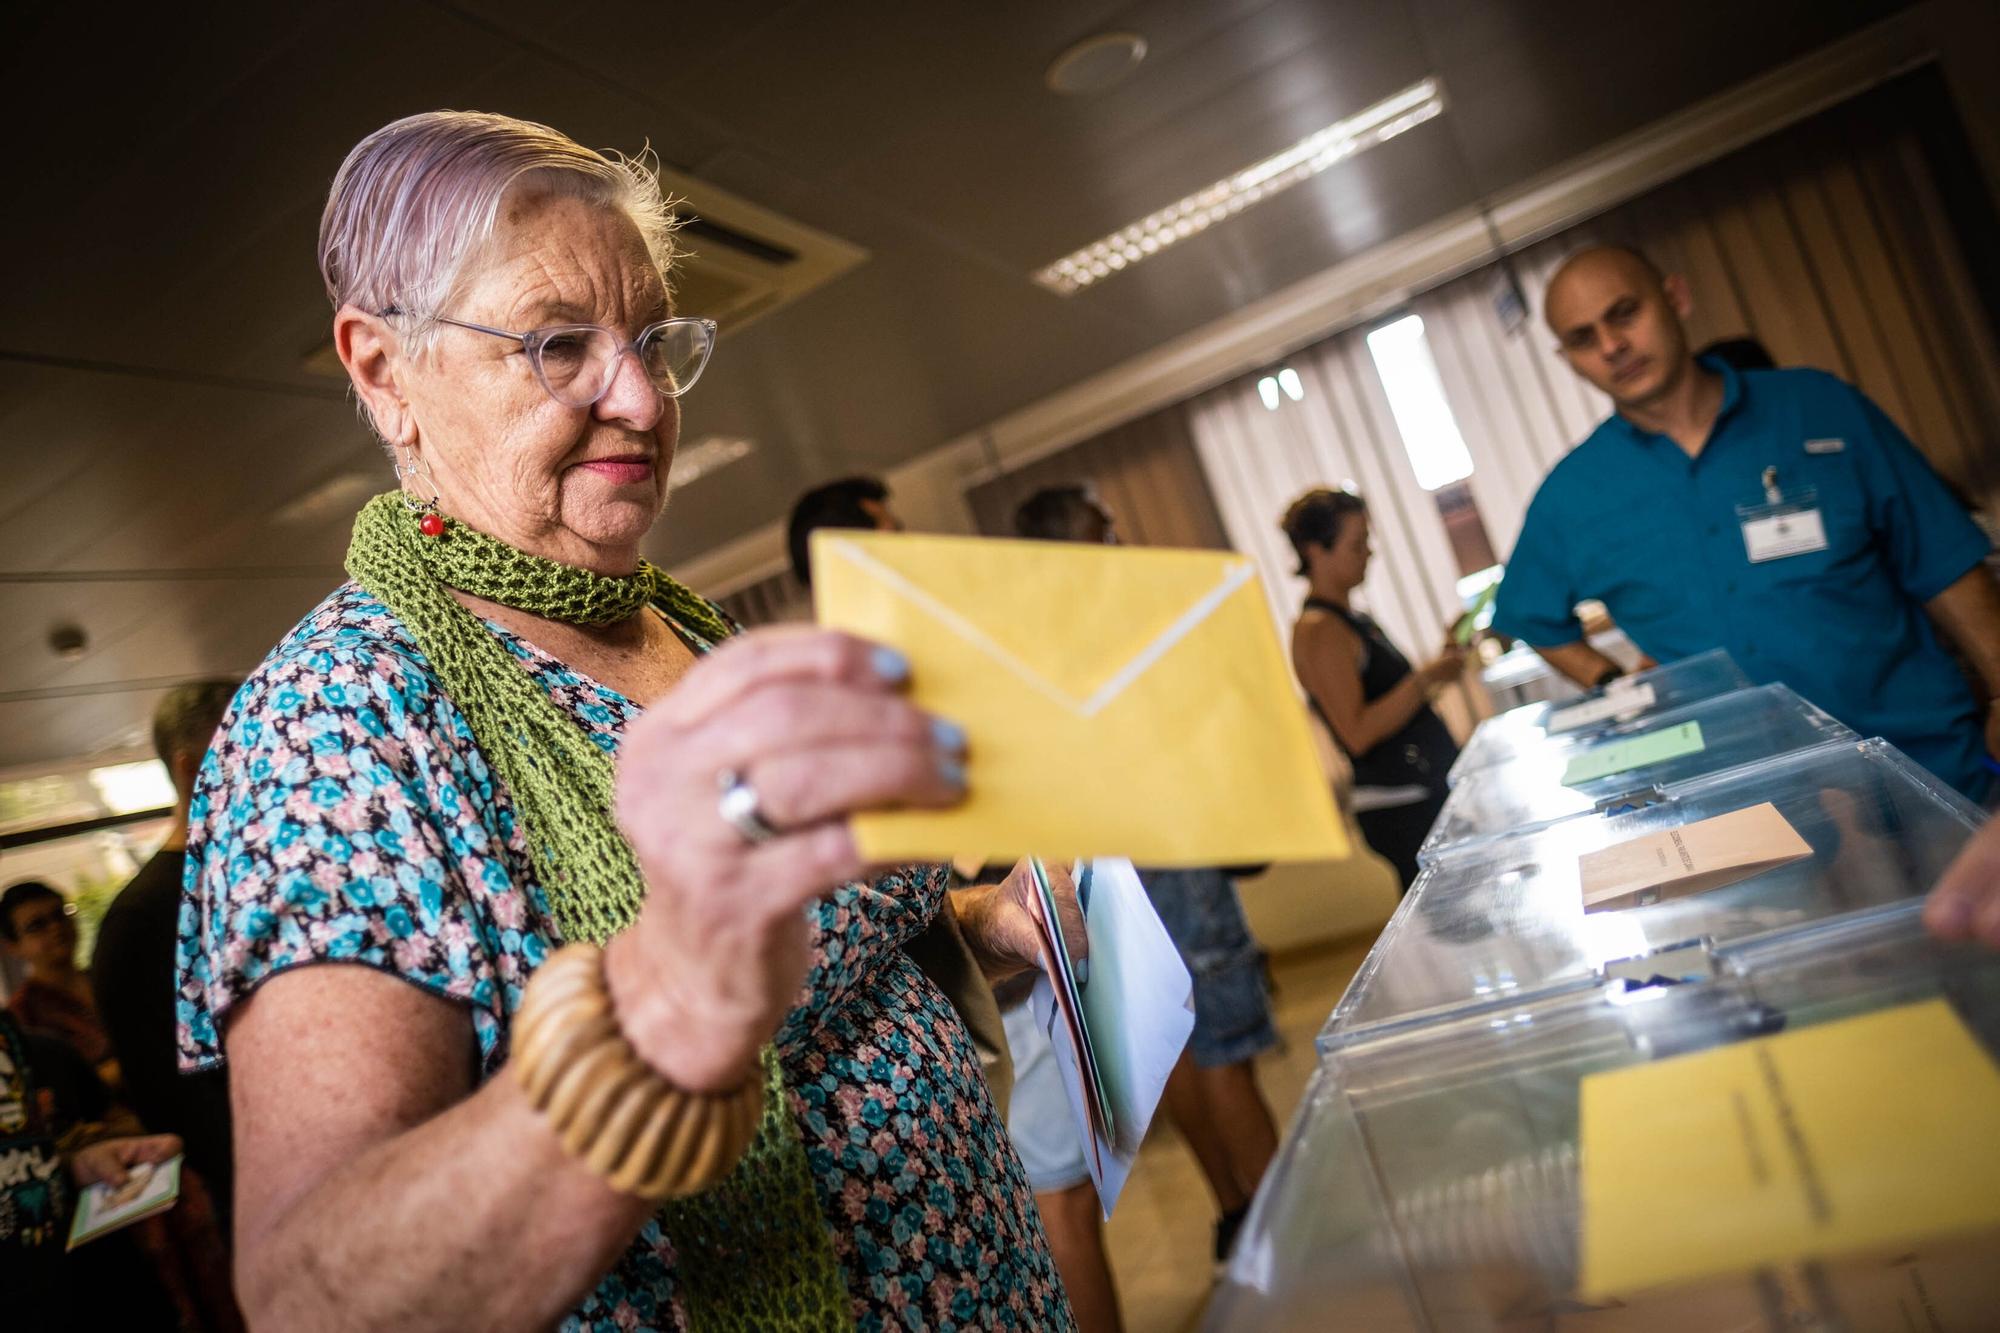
<point x="740" y="808"/>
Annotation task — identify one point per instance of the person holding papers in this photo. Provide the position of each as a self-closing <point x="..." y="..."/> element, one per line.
<point x="1373" y="701"/>
<point x="1212" y="1095"/>
<point x="1779" y="514"/>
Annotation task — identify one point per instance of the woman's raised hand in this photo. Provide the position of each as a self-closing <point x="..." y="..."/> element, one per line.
<point x="1445" y="668"/>
<point x="813" y="723"/>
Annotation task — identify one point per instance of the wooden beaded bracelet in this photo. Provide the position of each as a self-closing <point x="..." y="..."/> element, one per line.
<point x="607" y="1105"/>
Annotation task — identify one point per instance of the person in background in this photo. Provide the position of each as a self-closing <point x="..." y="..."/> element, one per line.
<point x="1376" y="704"/>
<point x="133" y="972"/>
<point x="52" y="1145"/>
<point x="1212" y="1093"/>
<point x="38" y="926"/>
<point x="939" y="949"/>
<point x="1778" y="514"/>
<point x="852" y="502"/>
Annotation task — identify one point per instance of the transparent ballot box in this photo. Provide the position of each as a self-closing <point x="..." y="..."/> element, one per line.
<point x="1507" y="736"/>
<point x="1568" y="775"/>
<point x="1491" y="919"/>
<point x="1473" y="1174"/>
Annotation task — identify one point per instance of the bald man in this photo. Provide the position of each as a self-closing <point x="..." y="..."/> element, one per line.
<point x="1778" y="514"/>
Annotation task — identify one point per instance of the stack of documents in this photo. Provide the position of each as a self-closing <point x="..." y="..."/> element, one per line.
<point x="1117" y="1033"/>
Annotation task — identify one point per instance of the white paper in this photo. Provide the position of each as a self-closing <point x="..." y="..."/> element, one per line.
<point x="1615" y="703"/>
<point x="1138" y="1010"/>
<point x="1775" y="536"/>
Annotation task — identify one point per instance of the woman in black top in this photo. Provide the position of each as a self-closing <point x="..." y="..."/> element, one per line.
<point x="1376" y="705"/>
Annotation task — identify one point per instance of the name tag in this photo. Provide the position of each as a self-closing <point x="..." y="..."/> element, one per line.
<point x="1825" y="446"/>
<point x="1776" y="536"/>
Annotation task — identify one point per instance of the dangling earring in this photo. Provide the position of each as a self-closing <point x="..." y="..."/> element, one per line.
<point x="411" y="471"/>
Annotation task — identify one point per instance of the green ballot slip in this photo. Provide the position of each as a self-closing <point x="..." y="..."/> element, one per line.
<point x="1654" y="747"/>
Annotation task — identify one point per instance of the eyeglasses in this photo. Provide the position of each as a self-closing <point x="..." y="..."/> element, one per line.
<point x="577" y="362"/>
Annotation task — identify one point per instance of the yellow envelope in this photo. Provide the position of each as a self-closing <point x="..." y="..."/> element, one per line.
<point x="1857" y="1135"/>
<point x="1118" y="701"/>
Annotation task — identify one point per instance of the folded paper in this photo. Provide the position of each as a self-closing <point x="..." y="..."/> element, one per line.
<point x="1630" y="752"/>
<point x="1694" y="858"/>
<point x="1847" y="1137"/>
<point x="1117" y="701"/>
<point x="1614" y="704"/>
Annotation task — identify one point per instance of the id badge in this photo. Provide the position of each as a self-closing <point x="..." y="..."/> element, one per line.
<point x="1791" y="526"/>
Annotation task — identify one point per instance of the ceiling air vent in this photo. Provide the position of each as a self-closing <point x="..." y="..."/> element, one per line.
<point x="742" y="261"/>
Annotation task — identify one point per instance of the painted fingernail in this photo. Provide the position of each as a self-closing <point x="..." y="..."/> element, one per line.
<point x="947" y="735"/>
<point x="952" y="772"/>
<point x="891" y="665"/>
<point x="1082" y="969"/>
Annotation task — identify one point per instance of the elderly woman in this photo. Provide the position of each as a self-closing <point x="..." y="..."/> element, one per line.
<point x="619" y="1057"/>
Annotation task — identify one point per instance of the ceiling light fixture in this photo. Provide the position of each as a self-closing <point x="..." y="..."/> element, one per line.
<point x="1229" y="196"/>
<point x="1095" y="63"/>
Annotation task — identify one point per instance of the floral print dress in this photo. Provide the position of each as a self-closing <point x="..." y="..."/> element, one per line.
<point x="345" y="814"/>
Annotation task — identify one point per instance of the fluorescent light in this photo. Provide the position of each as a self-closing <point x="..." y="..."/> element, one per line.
<point x="1267" y="389"/>
<point x="1294" y="387"/>
<point x="1232" y="194"/>
<point x="1416" y="399"/>
<point x="704" y="456"/>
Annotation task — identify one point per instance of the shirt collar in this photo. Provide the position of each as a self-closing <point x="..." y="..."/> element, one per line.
<point x="1732" y="398"/>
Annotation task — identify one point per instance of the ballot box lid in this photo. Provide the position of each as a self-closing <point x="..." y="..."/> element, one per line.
<point x="1574" y="774"/>
<point x="1507" y="736"/>
<point x="1496" y="917"/>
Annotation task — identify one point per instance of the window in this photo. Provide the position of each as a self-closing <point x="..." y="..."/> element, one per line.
<point x="1416" y="399"/>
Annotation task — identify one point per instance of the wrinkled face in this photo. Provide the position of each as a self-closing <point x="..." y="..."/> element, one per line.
<point x="1619" y="325"/>
<point x="44" y="934"/>
<point x="580" y="485"/>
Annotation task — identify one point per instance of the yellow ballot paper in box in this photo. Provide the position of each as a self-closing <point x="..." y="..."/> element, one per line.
<point x="1117" y="701"/>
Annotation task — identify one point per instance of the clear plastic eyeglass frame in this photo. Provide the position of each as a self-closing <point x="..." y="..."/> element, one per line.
<point x="672" y="353"/>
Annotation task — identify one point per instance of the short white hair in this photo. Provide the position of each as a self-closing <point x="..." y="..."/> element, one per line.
<point x="417" y="200"/>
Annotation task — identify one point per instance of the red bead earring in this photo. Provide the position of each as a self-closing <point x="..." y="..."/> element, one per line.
<point x="411" y="469"/>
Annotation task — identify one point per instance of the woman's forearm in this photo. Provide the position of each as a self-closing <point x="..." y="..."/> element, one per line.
<point x="376" y="1188"/>
<point x="1389" y="714"/>
<point x="475" y="1219"/>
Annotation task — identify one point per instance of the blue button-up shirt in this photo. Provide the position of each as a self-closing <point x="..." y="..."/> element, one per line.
<point x="1628" y="518"/>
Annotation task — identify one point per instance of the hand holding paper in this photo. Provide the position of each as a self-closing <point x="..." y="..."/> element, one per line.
<point x="1117" y="700"/>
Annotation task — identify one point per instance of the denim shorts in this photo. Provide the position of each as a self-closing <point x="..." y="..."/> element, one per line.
<point x="1039" y="1119"/>
<point x="1204" y="917"/>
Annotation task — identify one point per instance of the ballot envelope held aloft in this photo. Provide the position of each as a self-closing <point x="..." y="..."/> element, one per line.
<point x="1117" y="701"/>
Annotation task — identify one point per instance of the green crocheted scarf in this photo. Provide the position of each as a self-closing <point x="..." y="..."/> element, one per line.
<point x="752" y="1253"/>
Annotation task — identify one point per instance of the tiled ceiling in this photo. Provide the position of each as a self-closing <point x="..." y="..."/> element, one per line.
<point x="159" y="426"/>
